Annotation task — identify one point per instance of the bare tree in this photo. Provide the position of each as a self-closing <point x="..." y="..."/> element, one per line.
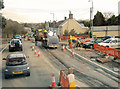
<point x="108" y="15"/>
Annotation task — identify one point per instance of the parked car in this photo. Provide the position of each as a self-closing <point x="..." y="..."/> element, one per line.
<point x="90" y="43"/>
<point x="111" y="43"/>
<point x="107" y="37"/>
<point x="22" y="36"/>
<point x="86" y="40"/>
<point x="16" y="64"/>
<point x="15" y="44"/>
<point x="18" y="37"/>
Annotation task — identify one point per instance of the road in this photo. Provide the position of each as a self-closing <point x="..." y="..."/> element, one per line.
<point x="52" y="61"/>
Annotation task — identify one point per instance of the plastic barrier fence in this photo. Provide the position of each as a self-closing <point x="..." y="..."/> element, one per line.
<point x="106" y="50"/>
<point x="64" y="80"/>
<point x="81" y="36"/>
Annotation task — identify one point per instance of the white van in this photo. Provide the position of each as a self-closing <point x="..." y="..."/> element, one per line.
<point x="111" y="43"/>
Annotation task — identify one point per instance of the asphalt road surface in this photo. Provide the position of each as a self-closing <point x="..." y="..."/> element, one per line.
<point x="52" y="61"/>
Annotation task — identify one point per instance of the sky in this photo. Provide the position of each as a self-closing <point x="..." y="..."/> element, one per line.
<point x="36" y="11"/>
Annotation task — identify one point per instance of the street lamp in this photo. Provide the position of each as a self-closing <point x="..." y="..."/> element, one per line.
<point x="91" y="15"/>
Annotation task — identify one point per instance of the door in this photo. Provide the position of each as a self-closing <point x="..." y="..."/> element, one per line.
<point x="113" y="44"/>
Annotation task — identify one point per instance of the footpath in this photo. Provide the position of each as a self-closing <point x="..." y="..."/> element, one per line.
<point x="110" y="67"/>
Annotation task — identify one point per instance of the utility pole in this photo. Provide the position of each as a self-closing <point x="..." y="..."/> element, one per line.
<point x="53" y="21"/>
<point x="91" y="20"/>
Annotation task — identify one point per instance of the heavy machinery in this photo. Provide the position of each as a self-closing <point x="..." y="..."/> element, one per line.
<point x="39" y="34"/>
<point x="51" y="41"/>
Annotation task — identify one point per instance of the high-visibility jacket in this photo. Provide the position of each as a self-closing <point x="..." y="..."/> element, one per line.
<point x="79" y="42"/>
<point x="45" y="31"/>
<point x="70" y="39"/>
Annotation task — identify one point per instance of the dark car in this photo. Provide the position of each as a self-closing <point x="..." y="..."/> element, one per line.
<point x="18" y="37"/>
<point x="106" y="37"/>
<point x="90" y="43"/>
<point x="15" y="44"/>
<point x="16" y="64"/>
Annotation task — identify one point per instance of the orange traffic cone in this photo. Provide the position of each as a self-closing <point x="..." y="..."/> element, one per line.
<point x="32" y="48"/>
<point x="38" y="53"/>
<point x="53" y="81"/>
<point x="88" y="49"/>
<point x="60" y="39"/>
<point x="63" y="47"/>
<point x="73" y="53"/>
<point x="67" y="43"/>
<point x="35" y="51"/>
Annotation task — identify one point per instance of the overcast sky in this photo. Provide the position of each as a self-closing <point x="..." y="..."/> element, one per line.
<point x="39" y="10"/>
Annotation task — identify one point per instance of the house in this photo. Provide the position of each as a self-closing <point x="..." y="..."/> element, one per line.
<point x="101" y="31"/>
<point x="27" y="29"/>
<point x="70" y="25"/>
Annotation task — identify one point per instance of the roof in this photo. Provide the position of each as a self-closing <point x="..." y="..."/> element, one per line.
<point x="58" y="23"/>
<point x="65" y="21"/>
<point x="15" y="56"/>
<point x="82" y="26"/>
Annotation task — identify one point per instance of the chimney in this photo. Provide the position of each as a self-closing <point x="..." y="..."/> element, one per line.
<point x="70" y="15"/>
<point x="65" y="18"/>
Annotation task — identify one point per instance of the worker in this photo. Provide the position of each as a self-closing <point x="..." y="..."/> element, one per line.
<point x="45" y="33"/>
<point x="78" y="44"/>
<point x="70" y="39"/>
<point x="70" y="42"/>
<point x="35" y="40"/>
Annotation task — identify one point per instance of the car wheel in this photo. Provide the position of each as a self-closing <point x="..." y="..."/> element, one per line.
<point x="28" y="74"/>
<point x="21" y="49"/>
<point x="7" y="76"/>
<point x="9" y="50"/>
<point x="91" y="47"/>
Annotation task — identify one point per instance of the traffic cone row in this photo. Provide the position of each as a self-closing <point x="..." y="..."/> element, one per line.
<point x="63" y="47"/>
<point x="35" y="51"/>
<point x="53" y="81"/>
<point x="32" y="48"/>
<point x="73" y="53"/>
<point x="67" y="43"/>
<point x="60" y="39"/>
<point x="38" y="53"/>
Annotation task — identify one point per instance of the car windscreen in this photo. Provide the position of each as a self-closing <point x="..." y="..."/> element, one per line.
<point x="14" y="41"/>
<point x="15" y="62"/>
<point x="107" y="41"/>
<point x="17" y="36"/>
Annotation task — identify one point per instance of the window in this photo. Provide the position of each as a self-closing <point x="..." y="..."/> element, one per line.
<point x="16" y="61"/>
<point x="107" y="41"/>
<point x="114" y="41"/>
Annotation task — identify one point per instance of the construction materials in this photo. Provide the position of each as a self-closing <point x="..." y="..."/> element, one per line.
<point x="103" y="60"/>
